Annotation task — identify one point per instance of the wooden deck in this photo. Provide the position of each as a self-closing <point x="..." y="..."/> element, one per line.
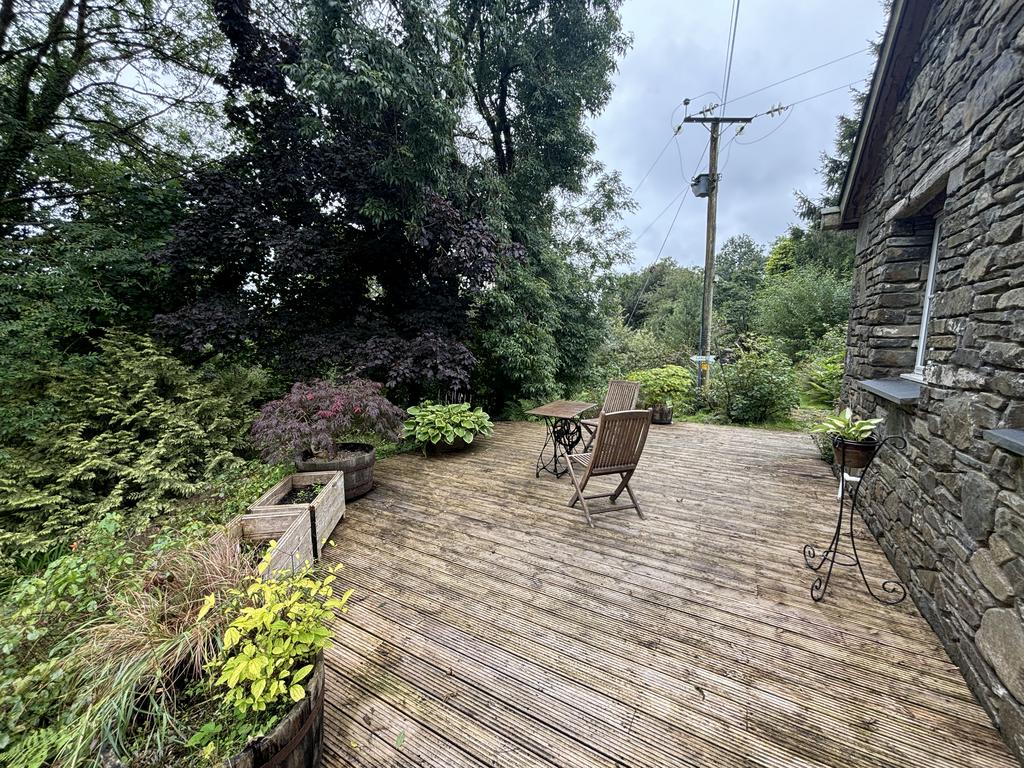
<point x="491" y="627"/>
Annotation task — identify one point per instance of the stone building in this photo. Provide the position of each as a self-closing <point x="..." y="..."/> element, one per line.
<point x="935" y="191"/>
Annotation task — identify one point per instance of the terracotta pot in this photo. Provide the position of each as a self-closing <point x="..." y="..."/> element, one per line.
<point x="356" y="460"/>
<point x="295" y="742"/>
<point x="661" y="414"/>
<point x="855" y="454"/>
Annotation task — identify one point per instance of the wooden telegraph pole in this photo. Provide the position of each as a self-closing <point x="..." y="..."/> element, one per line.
<point x="704" y="358"/>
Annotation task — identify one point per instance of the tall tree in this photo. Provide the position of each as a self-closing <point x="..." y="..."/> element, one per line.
<point x="537" y="69"/>
<point x="82" y="80"/>
<point x="739" y="272"/>
<point x="326" y="239"/>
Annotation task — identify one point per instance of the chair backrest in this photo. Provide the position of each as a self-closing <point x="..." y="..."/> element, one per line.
<point x="620" y="441"/>
<point x="622" y="396"/>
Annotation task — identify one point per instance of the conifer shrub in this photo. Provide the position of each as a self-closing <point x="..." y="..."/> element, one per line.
<point x="134" y="428"/>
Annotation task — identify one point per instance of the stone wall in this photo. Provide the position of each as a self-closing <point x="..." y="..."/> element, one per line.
<point x="949" y="511"/>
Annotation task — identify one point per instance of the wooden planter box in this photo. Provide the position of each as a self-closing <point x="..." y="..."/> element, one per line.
<point x="300" y="529"/>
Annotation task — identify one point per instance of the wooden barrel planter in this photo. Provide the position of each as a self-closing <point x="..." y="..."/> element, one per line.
<point x="661" y="414"/>
<point x="356" y="460"/>
<point x="295" y="742"/>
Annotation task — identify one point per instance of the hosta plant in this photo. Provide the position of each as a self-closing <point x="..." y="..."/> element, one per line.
<point x="434" y="423"/>
<point x="315" y="419"/>
<point x="846" y="426"/>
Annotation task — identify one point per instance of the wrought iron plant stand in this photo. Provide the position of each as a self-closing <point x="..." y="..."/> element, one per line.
<point x="894" y="590"/>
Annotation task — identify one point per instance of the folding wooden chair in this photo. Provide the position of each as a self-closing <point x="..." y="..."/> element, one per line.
<point x="617" y="448"/>
<point x="622" y="396"/>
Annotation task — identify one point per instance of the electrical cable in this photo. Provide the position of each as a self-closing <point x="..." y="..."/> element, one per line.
<point x="799" y="74"/>
<point x="679" y="207"/>
<point x="730" y="50"/>
<point x="651" y="168"/>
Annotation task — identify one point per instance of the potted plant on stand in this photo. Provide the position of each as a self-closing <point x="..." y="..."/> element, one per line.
<point x="326" y="427"/>
<point x="664" y="389"/>
<point x="853" y="440"/>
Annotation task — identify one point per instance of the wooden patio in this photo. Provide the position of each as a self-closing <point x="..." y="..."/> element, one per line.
<point x="491" y="627"/>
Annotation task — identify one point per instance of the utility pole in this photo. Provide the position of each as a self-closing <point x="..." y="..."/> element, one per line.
<point x="704" y="358"/>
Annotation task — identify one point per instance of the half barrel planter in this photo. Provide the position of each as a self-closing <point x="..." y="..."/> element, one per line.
<point x="295" y="742"/>
<point x="357" y="461"/>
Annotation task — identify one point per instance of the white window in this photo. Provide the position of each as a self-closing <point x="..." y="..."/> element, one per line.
<point x="926" y="308"/>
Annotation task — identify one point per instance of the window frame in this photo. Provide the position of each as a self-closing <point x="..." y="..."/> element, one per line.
<point x="921" y="358"/>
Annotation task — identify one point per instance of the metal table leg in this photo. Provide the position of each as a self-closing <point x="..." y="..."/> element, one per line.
<point x="561" y="438"/>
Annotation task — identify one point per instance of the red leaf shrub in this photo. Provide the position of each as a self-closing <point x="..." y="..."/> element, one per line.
<point x="314" y="419"/>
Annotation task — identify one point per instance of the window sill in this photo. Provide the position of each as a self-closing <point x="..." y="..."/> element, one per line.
<point x="919" y="378"/>
<point x="1011" y="440"/>
<point x="900" y="391"/>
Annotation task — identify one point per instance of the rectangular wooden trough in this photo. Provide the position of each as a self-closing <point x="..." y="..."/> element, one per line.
<point x="301" y="530"/>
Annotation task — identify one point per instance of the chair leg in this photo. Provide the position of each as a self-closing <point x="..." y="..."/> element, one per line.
<point x="618" y="491"/>
<point x="635" y="502"/>
<point x="578" y="495"/>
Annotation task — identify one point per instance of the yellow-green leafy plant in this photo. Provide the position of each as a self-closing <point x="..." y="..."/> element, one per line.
<point x="670" y="386"/>
<point x="278" y="627"/>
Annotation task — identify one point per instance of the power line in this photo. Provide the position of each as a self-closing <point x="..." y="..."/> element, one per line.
<point x="799" y="74"/>
<point x="651" y="168"/>
<point x="733" y="25"/>
<point x="662" y="213"/>
<point x="830" y="90"/>
<point x="650" y="274"/>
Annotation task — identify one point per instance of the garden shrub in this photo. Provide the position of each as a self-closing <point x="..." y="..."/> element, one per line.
<point x="314" y="419"/>
<point x="432" y="423"/>
<point x="821" y="373"/>
<point x="670" y="385"/>
<point x="135" y="428"/>
<point x="277" y="628"/>
<point x="758" y="387"/>
<point x="798" y="306"/>
<point x="115" y="627"/>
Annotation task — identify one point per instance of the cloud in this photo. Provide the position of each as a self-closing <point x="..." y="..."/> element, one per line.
<point x="678" y="52"/>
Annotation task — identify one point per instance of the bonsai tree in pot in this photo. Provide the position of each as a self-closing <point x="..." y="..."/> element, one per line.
<point x="443" y="428"/>
<point x="664" y="389"/>
<point x="322" y="426"/>
<point x="853" y="440"/>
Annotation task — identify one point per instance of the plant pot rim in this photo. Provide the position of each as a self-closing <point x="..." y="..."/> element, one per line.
<point x="837" y="440"/>
<point x="340" y="449"/>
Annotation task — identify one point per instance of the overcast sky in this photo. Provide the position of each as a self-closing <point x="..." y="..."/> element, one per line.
<point x="678" y="52"/>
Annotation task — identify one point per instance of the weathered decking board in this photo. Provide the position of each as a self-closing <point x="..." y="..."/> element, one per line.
<point x="490" y="626"/>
